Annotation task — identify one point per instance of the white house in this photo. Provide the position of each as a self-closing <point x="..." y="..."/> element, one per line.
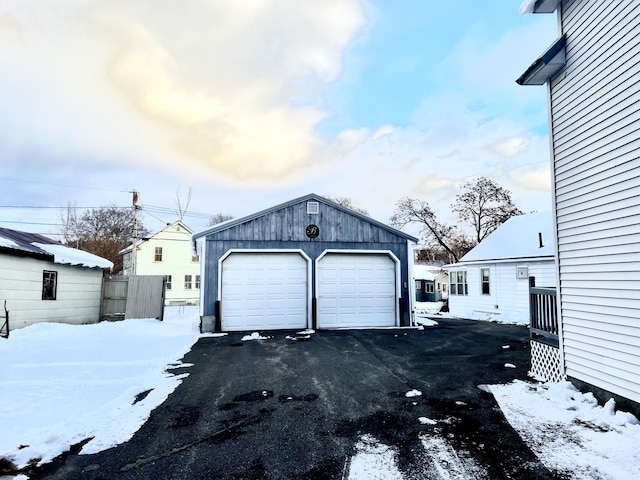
<point x="593" y="84"/>
<point x="41" y="280"/>
<point x="491" y="282"/>
<point x="169" y="253"/>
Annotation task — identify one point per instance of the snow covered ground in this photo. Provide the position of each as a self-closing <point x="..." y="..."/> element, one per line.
<point x="60" y="384"/>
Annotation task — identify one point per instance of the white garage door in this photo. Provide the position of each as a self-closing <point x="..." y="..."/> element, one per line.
<point x="263" y="291"/>
<point x="356" y="290"/>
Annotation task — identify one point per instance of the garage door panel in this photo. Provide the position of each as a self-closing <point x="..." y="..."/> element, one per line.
<point x="264" y="291"/>
<point x="356" y="290"/>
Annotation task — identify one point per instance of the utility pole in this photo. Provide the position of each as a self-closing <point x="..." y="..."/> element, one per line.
<point x="136" y="206"/>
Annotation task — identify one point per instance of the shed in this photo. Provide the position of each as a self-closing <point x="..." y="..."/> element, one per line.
<point x="431" y="283"/>
<point x="491" y="282"/>
<point x="307" y="263"/>
<point x="44" y="281"/>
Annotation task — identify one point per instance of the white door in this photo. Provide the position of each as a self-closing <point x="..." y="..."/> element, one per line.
<point x="356" y="290"/>
<point x="263" y="291"/>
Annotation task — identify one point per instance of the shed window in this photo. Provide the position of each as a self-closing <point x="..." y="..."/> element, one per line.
<point x="187" y="282"/>
<point x="167" y="282"/>
<point x="418" y="286"/>
<point x="158" y="254"/>
<point x="428" y="287"/>
<point x="485" y="281"/>
<point x="458" y="281"/>
<point x="49" y="285"/>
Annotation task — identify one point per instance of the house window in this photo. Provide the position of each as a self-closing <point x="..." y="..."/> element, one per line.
<point x="418" y="285"/>
<point x="49" y="285"/>
<point x="158" y="255"/>
<point x="458" y="281"/>
<point x="198" y="281"/>
<point x="167" y="279"/>
<point x="187" y="282"/>
<point x="484" y="275"/>
<point x="195" y="258"/>
<point x="428" y="287"/>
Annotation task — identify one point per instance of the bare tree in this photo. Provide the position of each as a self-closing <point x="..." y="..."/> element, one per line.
<point x="349" y="203"/>
<point x="219" y="218"/>
<point x="409" y="210"/>
<point x="182" y="209"/>
<point x="103" y="231"/>
<point x="484" y="205"/>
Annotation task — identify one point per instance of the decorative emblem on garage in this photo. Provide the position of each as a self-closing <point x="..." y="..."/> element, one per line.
<point x="312" y="231"/>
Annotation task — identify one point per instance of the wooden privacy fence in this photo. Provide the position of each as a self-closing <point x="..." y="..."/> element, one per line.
<point x="546" y="362"/>
<point x="133" y="296"/>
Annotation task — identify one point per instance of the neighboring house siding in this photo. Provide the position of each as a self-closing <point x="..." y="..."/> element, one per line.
<point x="177" y="253"/>
<point x="508" y="298"/>
<point x="79" y="291"/>
<point x="595" y="111"/>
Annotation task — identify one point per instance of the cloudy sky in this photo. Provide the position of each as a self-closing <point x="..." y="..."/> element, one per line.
<point x="252" y="103"/>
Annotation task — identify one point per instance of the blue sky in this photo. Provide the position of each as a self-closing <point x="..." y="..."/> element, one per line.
<point x="256" y="102"/>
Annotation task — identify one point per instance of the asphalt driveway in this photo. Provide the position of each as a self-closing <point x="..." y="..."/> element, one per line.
<point x="286" y="409"/>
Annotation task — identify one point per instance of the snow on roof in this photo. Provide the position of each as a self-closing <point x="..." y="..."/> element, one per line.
<point x="73" y="256"/>
<point x="517" y="238"/>
<point x="41" y="246"/>
<point x="527" y="7"/>
<point x="426" y="272"/>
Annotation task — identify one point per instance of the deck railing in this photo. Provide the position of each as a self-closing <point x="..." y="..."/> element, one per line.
<point x="543" y="318"/>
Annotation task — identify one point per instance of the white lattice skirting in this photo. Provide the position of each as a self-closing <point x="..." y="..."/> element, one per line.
<point x="545" y="362"/>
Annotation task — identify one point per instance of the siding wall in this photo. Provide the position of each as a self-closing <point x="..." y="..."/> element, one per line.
<point x="78" y="294"/>
<point x="595" y="111"/>
<point x="175" y="242"/>
<point x="285" y="229"/>
<point x="510" y="294"/>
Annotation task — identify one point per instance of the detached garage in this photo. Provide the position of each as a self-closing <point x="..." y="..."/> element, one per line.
<point x="307" y="263"/>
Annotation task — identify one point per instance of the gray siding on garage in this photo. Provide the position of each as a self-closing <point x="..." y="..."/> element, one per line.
<point x="595" y="111"/>
<point x="284" y="227"/>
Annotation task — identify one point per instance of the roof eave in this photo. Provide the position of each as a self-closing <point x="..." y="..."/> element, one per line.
<point x="537" y="258"/>
<point x="311" y="196"/>
<point x="547" y="65"/>
<point x="546" y="6"/>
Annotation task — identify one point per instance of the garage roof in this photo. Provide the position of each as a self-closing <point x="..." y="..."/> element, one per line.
<point x="313" y="197"/>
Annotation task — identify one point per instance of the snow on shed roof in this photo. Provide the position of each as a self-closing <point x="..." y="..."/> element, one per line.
<point x="44" y="247"/>
<point x="517" y="238"/>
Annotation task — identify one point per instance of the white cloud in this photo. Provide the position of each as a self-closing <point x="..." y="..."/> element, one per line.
<point x="226" y="87"/>
<point x="510" y="147"/>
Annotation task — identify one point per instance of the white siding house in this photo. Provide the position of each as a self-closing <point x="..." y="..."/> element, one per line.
<point x="594" y="99"/>
<point x="44" y="281"/>
<point x="169" y="253"/>
<point x="491" y="282"/>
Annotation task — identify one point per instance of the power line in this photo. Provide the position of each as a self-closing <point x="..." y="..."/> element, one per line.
<point x="63" y="185"/>
<point x="39" y="207"/>
<point x="32" y="223"/>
